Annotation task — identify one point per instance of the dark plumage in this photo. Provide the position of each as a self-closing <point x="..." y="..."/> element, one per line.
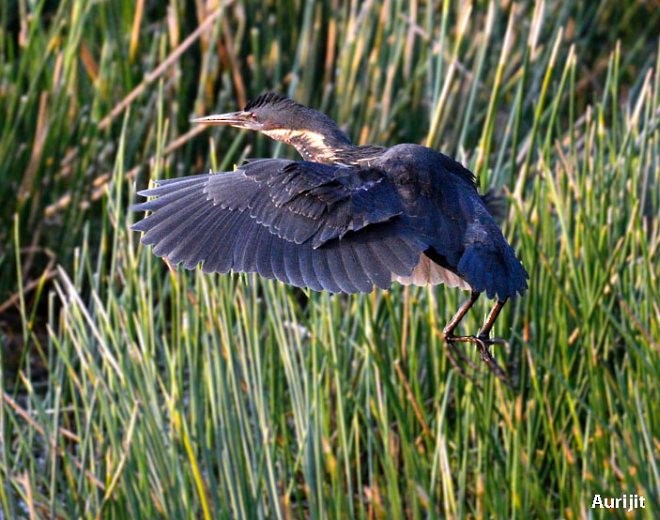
<point x="345" y="219"/>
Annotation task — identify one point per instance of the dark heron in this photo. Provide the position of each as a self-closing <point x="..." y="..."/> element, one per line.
<point x="345" y="219"/>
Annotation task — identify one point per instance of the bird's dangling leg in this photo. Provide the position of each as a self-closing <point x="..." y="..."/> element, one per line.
<point x="482" y="339"/>
<point x="484" y="331"/>
<point x="448" y="331"/>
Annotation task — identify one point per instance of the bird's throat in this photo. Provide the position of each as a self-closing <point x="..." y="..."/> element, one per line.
<point x="312" y="146"/>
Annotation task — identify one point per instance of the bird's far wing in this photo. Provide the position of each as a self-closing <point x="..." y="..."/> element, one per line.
<point x="301" y="201"/>
<point x="227" y="222"/>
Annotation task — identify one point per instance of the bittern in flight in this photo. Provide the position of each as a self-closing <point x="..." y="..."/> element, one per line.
<point x="345" y="219"/>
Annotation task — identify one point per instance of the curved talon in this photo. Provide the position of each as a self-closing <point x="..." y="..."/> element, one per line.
<point x="461" y="362"/>
<point x="488" y="358"/>
<point x="492" y="341"/>
<point x="450" y="338"/>
<point x="482" y="344"/>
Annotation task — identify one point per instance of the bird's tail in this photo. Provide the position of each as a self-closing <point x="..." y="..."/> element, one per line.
<point x="493" y="268"/>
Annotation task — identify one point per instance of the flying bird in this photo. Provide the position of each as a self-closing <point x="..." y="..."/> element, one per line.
<point x="345" y="219"/>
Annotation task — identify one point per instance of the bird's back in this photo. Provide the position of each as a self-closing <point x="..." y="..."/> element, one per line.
<point x="443" y="206"/>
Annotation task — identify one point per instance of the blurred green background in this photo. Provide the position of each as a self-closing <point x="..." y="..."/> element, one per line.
<point x="131" y="390"/>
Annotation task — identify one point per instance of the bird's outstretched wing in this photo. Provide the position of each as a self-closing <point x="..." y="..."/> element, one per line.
<point x="311" y="225"/>
<point x="301" y="200"/>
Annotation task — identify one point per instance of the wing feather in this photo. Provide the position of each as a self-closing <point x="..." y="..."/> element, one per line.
<point x="245" y="240"/>
<point x="322" y="272"/>
<point x="264" y="252"/>
<point x="167" y="235"/>
<point x="302" y="200"/>
<point x="174" y="209"/>
<point x="358" y="277"/>
<point x="292" y="266"/>
<point x="307" y="269"/>
<point x="277" y="264"/>
<point x="324" y="227"/>
<point x="220" y="256"/>
<point x="338" y="271"/>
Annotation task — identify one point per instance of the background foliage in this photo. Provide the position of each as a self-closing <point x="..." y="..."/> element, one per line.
<point x="132" y="390"/>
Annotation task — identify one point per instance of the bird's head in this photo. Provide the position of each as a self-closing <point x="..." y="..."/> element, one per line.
<point x="311" y="132"/>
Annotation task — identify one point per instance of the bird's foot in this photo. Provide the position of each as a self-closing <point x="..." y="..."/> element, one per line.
<point x="459" y="360"/>
<point x="483" y="340"/>
<point x="483" y="343"/>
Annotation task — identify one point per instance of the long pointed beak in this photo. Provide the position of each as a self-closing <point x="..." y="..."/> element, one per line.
<point x="239" y="119"/>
